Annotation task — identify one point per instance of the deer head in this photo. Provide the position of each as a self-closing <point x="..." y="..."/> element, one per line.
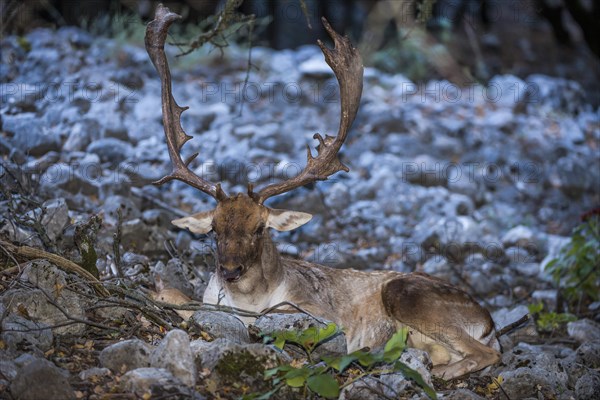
<point x="241" y="221"/>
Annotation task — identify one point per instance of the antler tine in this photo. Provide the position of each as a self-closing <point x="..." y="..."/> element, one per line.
<point x="156" y="35"/>
<point x="346" y="63"/>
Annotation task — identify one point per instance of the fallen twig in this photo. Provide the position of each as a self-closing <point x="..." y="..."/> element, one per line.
<point x="61" y="262"/>
<point x="513" y="325"/>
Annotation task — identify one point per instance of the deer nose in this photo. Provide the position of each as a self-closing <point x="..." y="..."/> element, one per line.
<point x="231" y="275"/>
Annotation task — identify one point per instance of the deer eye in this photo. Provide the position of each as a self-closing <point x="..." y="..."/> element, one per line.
<point x="260" y="230"/>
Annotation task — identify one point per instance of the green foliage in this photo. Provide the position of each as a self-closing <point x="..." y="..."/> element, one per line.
<point x="549" y="321"/>
<point x="24" y="43"/>
<point x="307" y="339"/>
<point x="577" y="268"/>
<point x="323" y="377"/>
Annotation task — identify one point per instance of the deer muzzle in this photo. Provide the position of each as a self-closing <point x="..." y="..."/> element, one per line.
<point x="232" y="274"/>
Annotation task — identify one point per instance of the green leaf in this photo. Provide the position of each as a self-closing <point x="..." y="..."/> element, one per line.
<point x="312" y="336"/>
<point x="345" y="362"/>
<point x="324" y="385"/>
<point x="339" y="363"/>
<point x="264" y="396"/>
<point x="535" y="308"/>
<point x="297" y="377"/>
<point x="308" y="338"/>
<point x="366" y="359"/>
<point x="415" y="376"/>
<point x="395" y="346"/>
<point x="327" y="332"/>
<point x="274" y="371"/>
<point x="279" y="342"/>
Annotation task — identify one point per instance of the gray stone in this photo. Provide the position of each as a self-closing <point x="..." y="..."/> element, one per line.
<point x="40" y="379"/>
<point x="438" y="266"/>
<point x="94" y="373"/>
<point x="588" y="386"/>
<point x="110" y="150"/>
<point x="156" y="382"/>
<point x="500" y="119"/>
<point x="30" y="135"/>
<point x="517" y="236"/>
<point x="142" y="173"/>
<point x="505" y="316"/>
<point x="126" y="356"/>
<point x="584" y="330"/>
<point x="393" y="385"/>
<point x="269" y="137"/>
<point x="111" y="206"/>
<point x="116" y="184"/>
<point x="528" y="368"/>
<point x="554" y="245"/>
<point x="269" y="324"/>
<point x="529" y="382"/>
<point x="337" y="196"/>
<point x="219" y="324"/>
<point x="588" y="354"/>
<point x="81" y="134"/>
<point x="575" y="175"/>
<point x="67" y="177"/>
<point x="457" y="204"/>
<point x="8" y="369"/>
<point x="232" y="363"/>
<point x="507" y="90"/>
<point x="455" y="237"/>
<point x="39" y="165"/>
<point x="554" y="94"/>
<point x="137" y="236"/>
<point x="54" y="217"/>
<point x="38" y="302"/>
<point x="175" y="355"/>
<point x="25" y="359"/>
<point x="419" y="361"/>
<point x="315" y="67"/>
<point x="547" y="297"/>
<point x="199" y="346"/>
<point x="462" y="394"/>
<point x="426" y="171"/>
<point x="19" y="333"/>
<point x="175" y="275"/>
<point x="129" y="77"/>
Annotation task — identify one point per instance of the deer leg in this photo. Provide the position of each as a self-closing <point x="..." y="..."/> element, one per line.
<point x="457" y="332"/>
<point x="475" y="356"/>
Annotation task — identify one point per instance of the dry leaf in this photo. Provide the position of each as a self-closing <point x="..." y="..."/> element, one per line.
<point x="22" y="310"/>
<point x="58" y="288"/>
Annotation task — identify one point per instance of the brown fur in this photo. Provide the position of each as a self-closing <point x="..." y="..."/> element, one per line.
<point x="370" y="306"/>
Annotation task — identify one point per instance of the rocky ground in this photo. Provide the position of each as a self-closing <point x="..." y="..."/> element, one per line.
<point x="478" y="185"/>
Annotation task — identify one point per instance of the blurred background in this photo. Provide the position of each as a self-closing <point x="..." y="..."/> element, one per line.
<point x="461" y="41"/>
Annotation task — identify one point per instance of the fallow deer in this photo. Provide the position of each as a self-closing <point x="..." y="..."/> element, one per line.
<point x="250" y="273"/>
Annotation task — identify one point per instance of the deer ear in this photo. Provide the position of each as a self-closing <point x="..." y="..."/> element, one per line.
<point x="197" y="223"/>
<point x="283" y="220"/>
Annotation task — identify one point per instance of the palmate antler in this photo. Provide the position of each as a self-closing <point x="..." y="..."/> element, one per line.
<point x="156" y="35"/>
<point x="346" y="63"/>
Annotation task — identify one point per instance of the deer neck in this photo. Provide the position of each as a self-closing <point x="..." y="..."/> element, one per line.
<point x="262" y="280"/>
